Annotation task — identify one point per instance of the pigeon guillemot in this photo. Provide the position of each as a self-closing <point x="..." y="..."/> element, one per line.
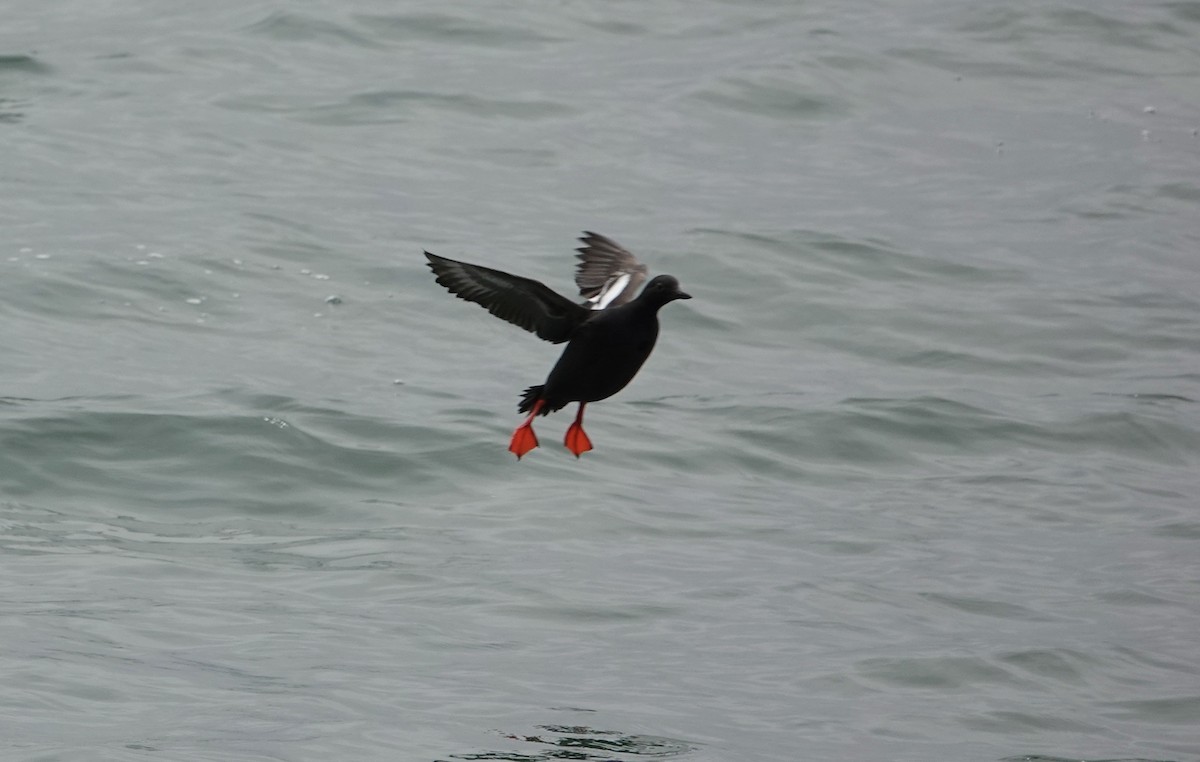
<point x="610" y="335"/>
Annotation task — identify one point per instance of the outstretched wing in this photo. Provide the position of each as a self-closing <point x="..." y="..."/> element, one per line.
<point x="607" y="274"/>
<point x="521" y="301"/>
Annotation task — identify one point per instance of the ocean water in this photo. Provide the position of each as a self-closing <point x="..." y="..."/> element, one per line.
<point x="913" y="476"/>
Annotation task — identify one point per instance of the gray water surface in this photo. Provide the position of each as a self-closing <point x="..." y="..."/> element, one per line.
<point x="912" y="477"/>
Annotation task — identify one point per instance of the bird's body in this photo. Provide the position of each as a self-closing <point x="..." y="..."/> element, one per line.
<point x="609" y="336"/>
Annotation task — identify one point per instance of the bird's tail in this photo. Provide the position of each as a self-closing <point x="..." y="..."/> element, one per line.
<point x="531" y="395"/>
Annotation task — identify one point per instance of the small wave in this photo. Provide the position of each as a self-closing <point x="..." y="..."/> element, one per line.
<point x="582" y="742"/>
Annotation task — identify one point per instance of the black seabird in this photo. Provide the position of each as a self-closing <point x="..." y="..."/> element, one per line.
<point x="610" y="335"/>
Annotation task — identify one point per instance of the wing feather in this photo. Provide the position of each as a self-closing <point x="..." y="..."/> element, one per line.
<point x="607" y="274"/>
<point x="524" y="302"/>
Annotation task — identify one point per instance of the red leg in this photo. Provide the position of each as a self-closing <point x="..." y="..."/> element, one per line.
<point x="523" y="438"/>
<point x="577" y="441"/>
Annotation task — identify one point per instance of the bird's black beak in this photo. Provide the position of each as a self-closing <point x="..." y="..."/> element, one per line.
<point x="682" y="295"/>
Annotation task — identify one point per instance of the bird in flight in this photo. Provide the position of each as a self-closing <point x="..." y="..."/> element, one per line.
<point x="609" y="336"/>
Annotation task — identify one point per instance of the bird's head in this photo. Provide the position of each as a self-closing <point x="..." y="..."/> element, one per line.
<point x="663" y="289"/>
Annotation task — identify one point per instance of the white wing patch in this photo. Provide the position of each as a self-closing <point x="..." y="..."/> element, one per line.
<point x="612" y="289"/>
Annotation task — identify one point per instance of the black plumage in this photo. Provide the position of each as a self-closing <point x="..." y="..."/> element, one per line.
<point x="609" y="336"/>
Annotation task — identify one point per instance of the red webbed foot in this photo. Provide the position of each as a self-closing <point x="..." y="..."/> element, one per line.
<point x="577" y="440"/>
<point x="523" y="439"/>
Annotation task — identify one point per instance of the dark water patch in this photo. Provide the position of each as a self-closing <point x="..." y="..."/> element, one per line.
<point x="879" y="262"/>
<point x="1007" y="723"/>
<point x="1109" y="31"/>
<point x="774" y="441"/>
<point x="1141" y="659"/>
<point x="392" y="106"/>
<point x="512" y="158"/>
<point x="260" y="458"/>
<point x="1132" y="598"/>
<point x="1149" y="398"/>
<point x="986" y="607"/>
<point x="196" y="541"/>
<point x="1043" y="758"/>
<point x="291" y="26"/>
<point x="571" y="612"/>
<point x="365" y="107"/>
<point x="1177" y="710"/>
<point x="272" y="243"/>
<point x="975" y="361"/>
<point x="1136" y="435"/>
<point x="775" y="99"/>
<point x="847" y="62"/>
<point x="898" y="433"/>
<point x="623" y="27"/>
<point x="812" y="256"/>
<point x="950" y="673"/>
<point x="898" y="430"/>
<point x="12" y="67"/>
<point x="968" y="64"/>
<point x="1184" y="11"/>
<point x="1127" y="201"/>
<point x="1181" y="530"/>
<point x="1060" y="665"/>
<point x="1010" y="44"/>
<point x="580" y="742"/>
<point x="23" y="64"/>
<point x="930" y="421"/>
<point x="1010" y="25"/>
<point x="11" y="111"/>
<point x="145" y="288"/>
<point x="995" y="23"/>
<point x="457" y="30"/>
<point x="895" y="434"/>
<point x="1178" y="191"/>
<point x="133" y="63"/>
